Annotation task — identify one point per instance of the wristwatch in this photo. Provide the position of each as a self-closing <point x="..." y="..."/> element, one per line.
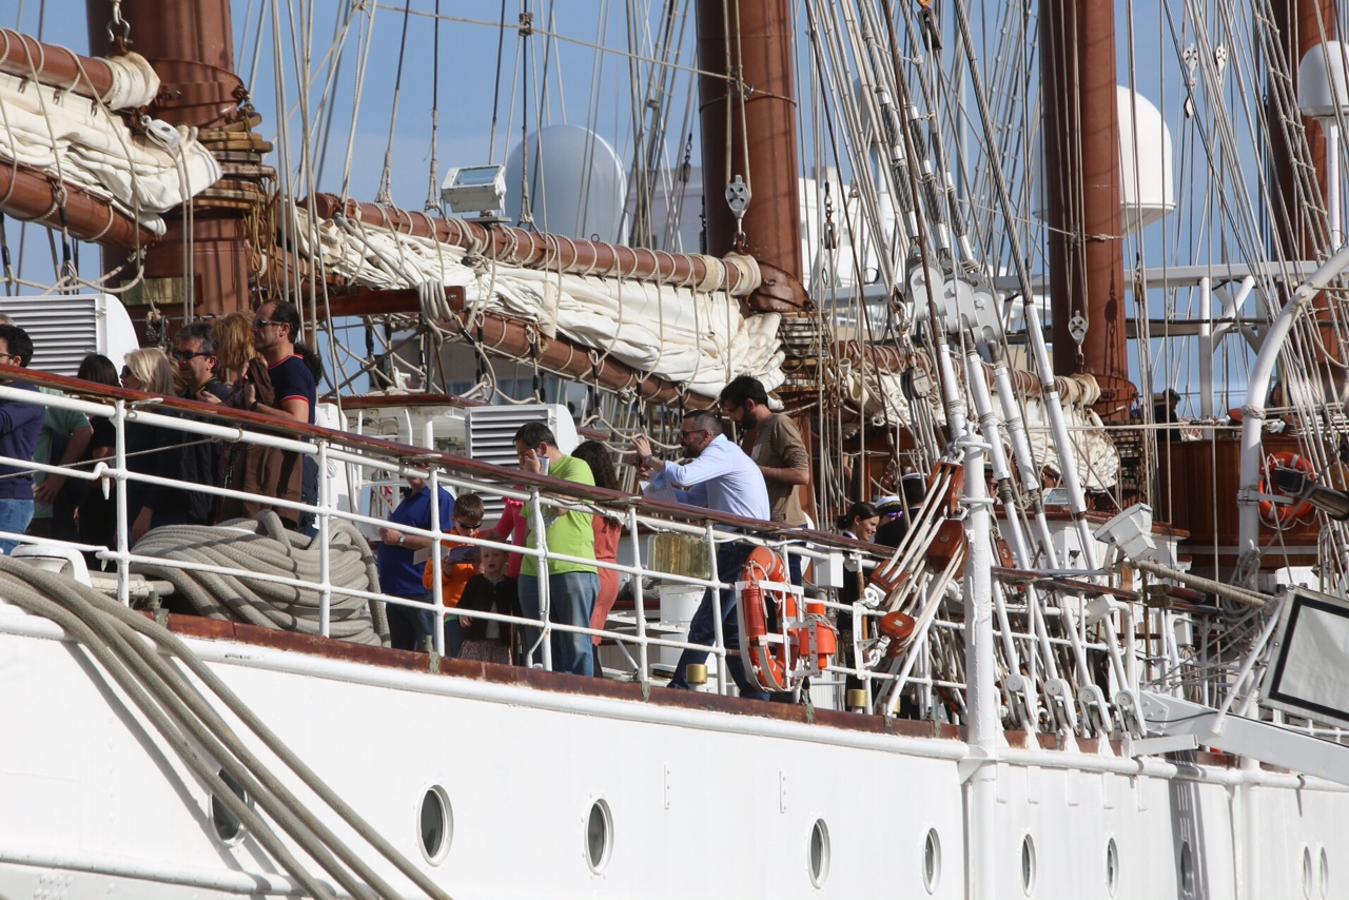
<point x="401" y="538"/>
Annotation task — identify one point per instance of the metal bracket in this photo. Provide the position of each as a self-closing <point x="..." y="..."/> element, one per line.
<point x="1156" y="746"/>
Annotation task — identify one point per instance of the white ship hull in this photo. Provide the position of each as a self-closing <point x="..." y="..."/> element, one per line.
<point x="703" y="801"/>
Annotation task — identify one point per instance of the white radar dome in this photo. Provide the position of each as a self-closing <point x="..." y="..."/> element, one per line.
<point x="1148" y="188"/>
<point x="1145" y="161"/>
<point x="576" y="183"/>
<point x="1321" y="81"/>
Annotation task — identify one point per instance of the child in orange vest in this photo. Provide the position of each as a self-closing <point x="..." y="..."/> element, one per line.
<point x="458" y="564"/>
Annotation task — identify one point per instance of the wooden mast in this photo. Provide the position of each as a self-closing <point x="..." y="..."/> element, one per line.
<point x="190" y="43"/>
<point x="751" y="44"/>
<point x="1083" y="194"/>
<point x="1300" y="226"/>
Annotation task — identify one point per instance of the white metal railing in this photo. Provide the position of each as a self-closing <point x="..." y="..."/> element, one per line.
<point x="1021" y="627"/>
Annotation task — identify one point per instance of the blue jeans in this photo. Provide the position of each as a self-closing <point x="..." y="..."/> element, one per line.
<point x="702" y="629"/>
<point x="14" y="517"/>
<point x="571" y="600"/>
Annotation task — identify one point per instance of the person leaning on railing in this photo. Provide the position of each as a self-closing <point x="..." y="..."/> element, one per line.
<point x="572" y="586"/>
<point x="458" y="564"/>
<point x="20" y="424"/>
<point x="722" y="477"/>
<point x="400" y="573"/>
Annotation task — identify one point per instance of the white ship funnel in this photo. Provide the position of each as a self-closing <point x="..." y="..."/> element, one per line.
<point x="576" y="183"/>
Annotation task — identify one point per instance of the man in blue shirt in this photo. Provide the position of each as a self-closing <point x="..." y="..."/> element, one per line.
<point x="722" y="477"/>
<point x="400" y="574"/>
<point x="276" y="329"/>
<point x="20" y="425"/>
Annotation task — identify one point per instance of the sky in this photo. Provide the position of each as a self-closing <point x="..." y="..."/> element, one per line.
<point x="583" y="87"/>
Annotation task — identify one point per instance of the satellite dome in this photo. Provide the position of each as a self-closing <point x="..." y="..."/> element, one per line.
<point x="1147" y="187"/>
<point x="1149" y="190"/>
<point x="1321" y="88"/>
<point x="576" y="185"/>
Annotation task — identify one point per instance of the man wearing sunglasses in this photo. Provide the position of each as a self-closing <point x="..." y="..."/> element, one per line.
<point x="20" y="424"/>
<point x="720" y="476"/>
<point x="194" y="353"/>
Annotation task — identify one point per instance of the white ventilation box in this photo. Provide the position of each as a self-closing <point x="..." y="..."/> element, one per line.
<point x="491" y="436"/>
<point x="66" y="328"/>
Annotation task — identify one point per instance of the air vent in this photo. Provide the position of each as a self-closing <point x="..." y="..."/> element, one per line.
<point x="67" y="327"/>
<point x="491" y="436"/>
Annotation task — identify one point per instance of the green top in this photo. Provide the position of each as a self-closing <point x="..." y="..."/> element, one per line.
<point x="569" y="532"/>
<point x="55" y="422"/>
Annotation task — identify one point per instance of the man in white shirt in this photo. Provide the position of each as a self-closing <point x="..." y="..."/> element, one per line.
<point x="722" y="477"/>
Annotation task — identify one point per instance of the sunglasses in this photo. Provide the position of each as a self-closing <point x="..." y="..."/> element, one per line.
<point x="185" y="355"/>
<point x="259" y="324"/>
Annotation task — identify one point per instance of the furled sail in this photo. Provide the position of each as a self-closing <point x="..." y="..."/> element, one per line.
<point x="82" y="144"/>
<point x="693" y="337"/>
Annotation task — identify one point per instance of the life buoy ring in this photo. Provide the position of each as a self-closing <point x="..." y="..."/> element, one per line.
<point x="770" y="660"/>
<point x="1283" y="514"/>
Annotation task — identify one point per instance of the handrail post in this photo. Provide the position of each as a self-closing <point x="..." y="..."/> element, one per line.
<point x="639" y="597"/>
<point x="325" y="535"/>
<point x="715" y="577"/>
<point x="437" y="591"/>
<point x="541" y="544"/>
<point x="123" y="535"/>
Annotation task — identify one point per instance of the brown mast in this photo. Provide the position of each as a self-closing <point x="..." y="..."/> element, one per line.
<point x="1083" y="194"/>
<point x="1300" y="226"/>
<point x="190" y="43"/>
<point x="752" y="42"/>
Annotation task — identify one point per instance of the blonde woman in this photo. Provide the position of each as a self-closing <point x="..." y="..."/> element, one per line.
<point x="160" y="451"/>
<point x="233" y="339"/>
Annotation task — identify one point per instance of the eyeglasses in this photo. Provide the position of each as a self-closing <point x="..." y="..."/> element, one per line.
<point x="259" y="324"/>
<point x="9" y="356"/>
<point x="126" y="373"/>
<point x="693" y="432"/>
<point x="185" y="355"/>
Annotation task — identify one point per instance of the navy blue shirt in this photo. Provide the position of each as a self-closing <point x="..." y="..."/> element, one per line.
<point x="292" y="380"/>
<point x="20" y="425"/>
<point x="398" y="574"/>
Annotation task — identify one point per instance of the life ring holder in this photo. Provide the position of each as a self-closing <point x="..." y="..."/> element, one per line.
<point x="1284" y="515"/>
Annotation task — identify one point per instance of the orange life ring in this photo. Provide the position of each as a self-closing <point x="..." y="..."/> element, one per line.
<point x="769" y="659"/>
<point x="1284" y="513"/>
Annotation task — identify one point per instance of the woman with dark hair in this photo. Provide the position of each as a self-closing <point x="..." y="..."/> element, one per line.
<point x="97" y="517"/>
<point x="607" y="533"/>
<point x="860" y="522"/>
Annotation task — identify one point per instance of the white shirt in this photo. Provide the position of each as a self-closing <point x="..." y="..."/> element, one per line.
<point x="723" y="478"/>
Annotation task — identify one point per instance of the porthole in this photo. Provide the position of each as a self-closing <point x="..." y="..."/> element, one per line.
<point x="931" y="861"/>
<point x="819" y="853"/>
<point x="599" y="836"/>
<point x="1307" y="872"/>
<point x="1111" y="867"/>
<point x="1186" y="870"/>
<point x="1325" y="875"/>
<point x="227" y="825"/>
<point x="1027" y="865"/>
<point x="435" y="824"/>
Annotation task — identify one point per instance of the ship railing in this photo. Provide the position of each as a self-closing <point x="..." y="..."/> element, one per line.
<point x="367" y="455"/>
<point x="372" y="459"/>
